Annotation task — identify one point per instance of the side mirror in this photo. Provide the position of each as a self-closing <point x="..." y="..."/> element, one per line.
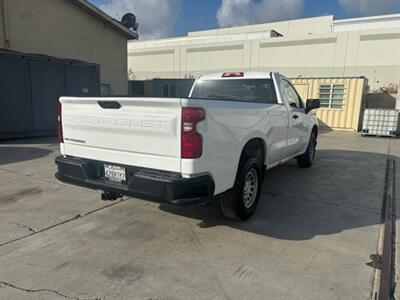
<point x="312" y="104"/>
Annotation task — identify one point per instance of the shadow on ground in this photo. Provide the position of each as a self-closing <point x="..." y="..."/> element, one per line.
<point x="323" y="127"/>
<point x="343" y="190"/>
<point x="9" y="154"/>
<point x="30" y="141"/>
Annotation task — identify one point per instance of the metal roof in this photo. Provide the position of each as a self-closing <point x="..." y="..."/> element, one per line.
<point x="44" y="57"/>
<point x="106" y="18"/>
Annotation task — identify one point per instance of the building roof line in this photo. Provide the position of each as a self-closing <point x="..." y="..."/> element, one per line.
<point x="194" y="38"/>
<point x="329" y="77"/>
<point x="378" y="17"/>
<point x="261" y="25"/>
<point x="106" y="18"/>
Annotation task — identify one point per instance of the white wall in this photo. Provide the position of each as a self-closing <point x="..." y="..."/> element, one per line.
<point x="371" y="53"/>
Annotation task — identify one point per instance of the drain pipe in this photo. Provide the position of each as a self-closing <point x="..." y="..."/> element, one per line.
<point x="5" y="23"/>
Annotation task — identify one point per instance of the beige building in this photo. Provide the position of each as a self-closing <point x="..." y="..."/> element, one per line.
<point x="312" y="47"/>
<point x="73" y="29"/>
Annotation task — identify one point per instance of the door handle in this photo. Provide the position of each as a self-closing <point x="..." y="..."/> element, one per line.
<point x="295" y="116"/>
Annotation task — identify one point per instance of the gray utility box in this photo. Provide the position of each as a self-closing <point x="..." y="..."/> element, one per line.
<point x="381" y="122"/>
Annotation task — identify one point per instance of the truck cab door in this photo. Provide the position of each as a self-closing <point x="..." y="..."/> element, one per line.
<point x="298" y="125"/>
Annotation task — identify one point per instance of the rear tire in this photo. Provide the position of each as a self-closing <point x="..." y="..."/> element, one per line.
<point x="307" y="158"/>
<point x="240" y="202"/>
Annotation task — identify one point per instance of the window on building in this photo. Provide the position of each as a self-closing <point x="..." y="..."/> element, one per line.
<point x="332" y="95"/>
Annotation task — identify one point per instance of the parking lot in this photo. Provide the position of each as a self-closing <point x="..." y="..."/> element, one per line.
<point x="310" y="238"/>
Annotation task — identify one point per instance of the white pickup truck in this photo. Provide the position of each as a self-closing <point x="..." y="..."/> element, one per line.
<point x="185" y="151"/>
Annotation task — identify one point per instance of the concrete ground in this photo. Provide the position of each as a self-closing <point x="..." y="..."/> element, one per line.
<point x="310" y="238"/>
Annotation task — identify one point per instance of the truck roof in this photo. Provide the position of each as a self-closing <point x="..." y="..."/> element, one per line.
<point x="236" y="75"/>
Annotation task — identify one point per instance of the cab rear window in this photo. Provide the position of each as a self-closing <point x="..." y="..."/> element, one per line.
<point x="247" y="90"/>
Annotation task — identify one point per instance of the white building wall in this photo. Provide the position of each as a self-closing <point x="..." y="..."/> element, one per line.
<point x="373" y="53"/>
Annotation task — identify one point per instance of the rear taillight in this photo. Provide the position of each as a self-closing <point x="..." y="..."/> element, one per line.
<point x="59" y="124"/>
<point x="191" y="140"/>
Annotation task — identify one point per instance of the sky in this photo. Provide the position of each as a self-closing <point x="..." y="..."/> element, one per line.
<point x="170" y="18"/>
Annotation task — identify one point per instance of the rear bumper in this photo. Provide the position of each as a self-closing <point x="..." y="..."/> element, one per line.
<point x="156" y="185"/>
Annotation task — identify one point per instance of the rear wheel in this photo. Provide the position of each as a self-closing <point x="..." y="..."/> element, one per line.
<point x="241" y="202"/>
<point x="307" y="158"/>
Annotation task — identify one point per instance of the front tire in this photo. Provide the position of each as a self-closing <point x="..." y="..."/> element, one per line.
<point x="240" y="202"/>
<point x="307" y="158"/>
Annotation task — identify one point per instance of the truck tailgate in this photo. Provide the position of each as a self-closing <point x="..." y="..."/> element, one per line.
<point x="141" y="132"/>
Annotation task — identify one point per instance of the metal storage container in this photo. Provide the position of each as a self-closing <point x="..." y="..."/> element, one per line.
<point x="381" y="122"/>
<point x="30" y="85"/>
<point x="341" y="100"/>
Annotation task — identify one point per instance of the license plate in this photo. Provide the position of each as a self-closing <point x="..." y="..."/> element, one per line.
<point x="114" y="173"/>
